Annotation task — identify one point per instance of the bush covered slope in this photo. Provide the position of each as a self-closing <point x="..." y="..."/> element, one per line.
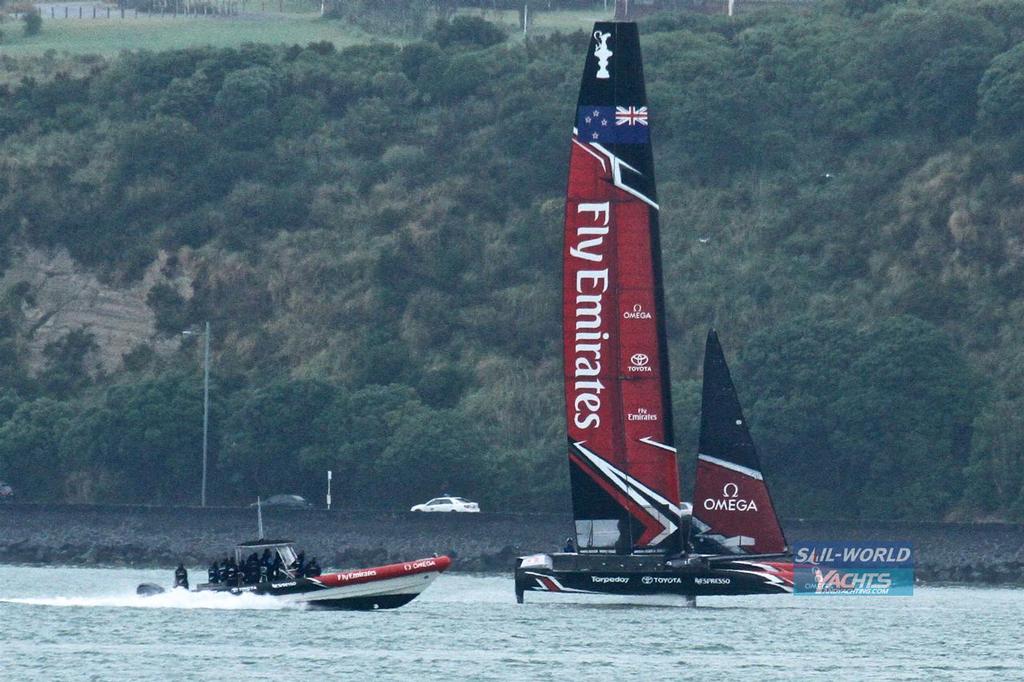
<point x="374" y="235"/>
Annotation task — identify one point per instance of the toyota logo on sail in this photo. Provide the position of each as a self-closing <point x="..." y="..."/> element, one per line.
<point x="639" y="362"/>
<point x="730" y="500"/>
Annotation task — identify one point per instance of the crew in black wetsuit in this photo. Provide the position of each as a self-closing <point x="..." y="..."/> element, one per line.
<point x="213" y="575"/>
<point x="570" y="546"/>
<point x="277" y="568"/>
<point x="300" y="565"/>
<point x="231" y="573"/>
<point x="252" y="569"/>
<point x="313" y="568"/>
<point x="224" y="569"/>
<point x="181" y="576"/>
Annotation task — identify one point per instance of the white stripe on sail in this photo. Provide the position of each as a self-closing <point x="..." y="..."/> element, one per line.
<point x="747" y="471"/>
<point x="651" y="441"/>
<point x="630" y="486"/>
<point x="617" y="166"/>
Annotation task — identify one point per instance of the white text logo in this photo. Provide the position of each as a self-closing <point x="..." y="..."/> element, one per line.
<point x="609" y="579"/>
<point x="589" y="337"/>
<point x="730" y="501"/>
<point x="637" y="313"/>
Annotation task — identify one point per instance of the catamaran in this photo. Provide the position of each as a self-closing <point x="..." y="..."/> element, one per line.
<point x="634" y="535"/>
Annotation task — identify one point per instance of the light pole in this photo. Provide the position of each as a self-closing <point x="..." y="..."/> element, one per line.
<point x="206" y="402"/>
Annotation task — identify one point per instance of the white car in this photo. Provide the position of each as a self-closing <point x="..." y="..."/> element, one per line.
<point x="447" y="504"/>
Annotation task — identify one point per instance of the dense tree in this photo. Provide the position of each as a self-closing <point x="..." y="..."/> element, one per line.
<point x="875" y="419"/>
<point x="266" y="429"/>
<point x="1001" y="91"/>
<point x="30" y="449"/>
<point x="374" y="232"/>
<point x="67" y="370"/>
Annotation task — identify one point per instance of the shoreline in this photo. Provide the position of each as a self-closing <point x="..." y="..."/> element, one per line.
<point x="160" y="537"/>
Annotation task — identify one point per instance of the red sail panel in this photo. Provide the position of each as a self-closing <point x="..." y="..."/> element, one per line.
<point x="623" y="467"/>
<point x="734" y="511"/>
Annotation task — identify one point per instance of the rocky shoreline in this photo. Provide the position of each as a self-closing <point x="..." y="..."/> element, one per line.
<point x="142" y="536"/>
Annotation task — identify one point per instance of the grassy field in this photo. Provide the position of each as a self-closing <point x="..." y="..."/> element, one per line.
<point x="106" y="37"/>
<point x="110" y="36"/>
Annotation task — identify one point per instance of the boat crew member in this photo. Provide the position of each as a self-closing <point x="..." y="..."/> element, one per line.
<point x="313" y="569"/>
<point x="231" y="572"/>
<point x="300" y="564"/>
<point x="181" y="576"/>
<point x="213" y="574"/>
<point x="570" y="546"/>
<point x="224" y="570"/>
<point x="276" y="567"/>
<point x="252" y="569"/>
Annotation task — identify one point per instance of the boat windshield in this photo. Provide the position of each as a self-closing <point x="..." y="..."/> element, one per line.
<point x="287" y="554"/>
<point x="286" y="550"/>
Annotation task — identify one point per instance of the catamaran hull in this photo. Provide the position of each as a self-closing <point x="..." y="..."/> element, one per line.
<point x="642" y="576"/>
<point x="368" y="589"/>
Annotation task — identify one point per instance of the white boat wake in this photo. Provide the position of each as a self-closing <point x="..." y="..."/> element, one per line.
<point x="172" y="599"/>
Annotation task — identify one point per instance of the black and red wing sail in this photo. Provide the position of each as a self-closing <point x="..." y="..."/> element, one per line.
<point x="732" y="510"/>
<point x="625" y="484"/>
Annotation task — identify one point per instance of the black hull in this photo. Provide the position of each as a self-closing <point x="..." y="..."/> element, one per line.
<point x="307" y="587"/>
<point x="651" y="576"/>
<point x="279" y="589"/>
<point x="363" y="603"/>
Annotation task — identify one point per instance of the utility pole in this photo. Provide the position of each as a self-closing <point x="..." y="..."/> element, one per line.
<point x="206" y="403"/>
<point x="206" y="407"/>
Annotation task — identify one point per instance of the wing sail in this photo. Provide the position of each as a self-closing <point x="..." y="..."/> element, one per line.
<point x="625" y="482"/>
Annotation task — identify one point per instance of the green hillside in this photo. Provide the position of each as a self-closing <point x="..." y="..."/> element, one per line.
<point x="374" y="234"/>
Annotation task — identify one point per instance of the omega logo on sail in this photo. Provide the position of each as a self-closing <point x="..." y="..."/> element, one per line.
<point x="589" y="330"/>
<point x="730" y="501"/>
<point x="637" y="313"/>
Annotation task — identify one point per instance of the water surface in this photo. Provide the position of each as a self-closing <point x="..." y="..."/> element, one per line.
<point x="79" y="623"/>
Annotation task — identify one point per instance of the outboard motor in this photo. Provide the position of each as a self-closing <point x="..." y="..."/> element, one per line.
<point x="148" y="589"/>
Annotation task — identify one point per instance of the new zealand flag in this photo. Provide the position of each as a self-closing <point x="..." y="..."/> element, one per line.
<point x="612" y="125"/>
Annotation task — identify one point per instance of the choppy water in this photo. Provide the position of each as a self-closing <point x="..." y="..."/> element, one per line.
<point x="75" y="623"/>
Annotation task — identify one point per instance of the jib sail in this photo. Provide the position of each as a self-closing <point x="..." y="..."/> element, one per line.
<point x="625" y="484"/>
<point x="732" y="510"/>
